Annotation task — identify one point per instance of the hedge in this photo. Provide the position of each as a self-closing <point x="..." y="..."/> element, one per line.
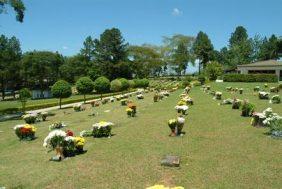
<point x="250" y="78"/>
<point x="51" y="104"/>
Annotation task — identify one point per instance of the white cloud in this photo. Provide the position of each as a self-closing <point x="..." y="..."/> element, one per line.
<point x="176" y="12"/>
<point x="65" y="47"/>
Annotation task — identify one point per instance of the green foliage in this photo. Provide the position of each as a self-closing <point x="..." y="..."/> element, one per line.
<point x="131" y="84"/>
<point x="116" y="85"/>
<point x="17" y="5"/>
<point x="213" y="70"/>
<point x="142" y="83"/>
<point x="124" y="84"/>
<point x="24" y="94"/>
<point x="102" y="131"/>
<point x="202" y="79"/>
<point x="61" y="89"/>
<point x="250" y="78"/>
<point x="102" y="85"/>
<point x="247" y="109"/>
<point x="85" y="86"/>
<point x="203" y="48"/>
<point x="110" y="50"/>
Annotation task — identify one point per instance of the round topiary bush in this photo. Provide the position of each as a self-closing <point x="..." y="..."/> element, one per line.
<point x="84" y="86"/>
<point x="116" y="85"/>
<point x="102" y="85"/>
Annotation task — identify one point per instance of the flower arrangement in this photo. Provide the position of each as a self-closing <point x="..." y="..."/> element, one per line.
<point x="228" y="89"/>
<point x="123" y="102"/>
<point x="30" y="118"/>
<point x="227" y="101"/>
<point x="131" y="110"/>
<point x="181" y="109"/>
<point x="241" y="91"/>
<point x="102" y="129"/>
<point x="274" y="89"/>
<point x="256" y="89"/>
<point x="78" y="107"/>
<point x="25" y="131"/>
<point x="140" y="96"/>
<point x="112" y="99"/>
<point x="247" y="109"/>
<point x="218" y="95"/>
<point x="156" y="97"/>
<point x="275" y="99"/>
<point x="44" y="115"/>
<point x="165" y="93"/>
<point x="236" y="103"/>
<point x="65" y="144"/>
<point x="163" y="187"/>
<point x="208" y="87"/>
<point x="86" y="133"/>
<point x="176" y="125"/>
<point x="263" y="95"/>
<point x="265" y="85"/>
<point x="56" y="125"/>
<point x="181" y="102"/>
<point x="94" y="103"/>
<point x="188" y="100"/>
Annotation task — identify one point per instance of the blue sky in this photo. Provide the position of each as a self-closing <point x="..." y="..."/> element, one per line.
<point x="62" y="25"/>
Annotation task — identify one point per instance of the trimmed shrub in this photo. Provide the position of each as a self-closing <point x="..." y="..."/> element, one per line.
<point x="124" y="84"/>
<point x="213" y="70"/>
<point x="250" y="78"/>
<point x="116" y="85"/>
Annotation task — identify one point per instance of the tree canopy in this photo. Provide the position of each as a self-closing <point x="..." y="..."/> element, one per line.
<point x="17" y="5"/>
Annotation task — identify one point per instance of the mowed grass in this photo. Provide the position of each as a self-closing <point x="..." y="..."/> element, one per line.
<point x="219" y="150"/>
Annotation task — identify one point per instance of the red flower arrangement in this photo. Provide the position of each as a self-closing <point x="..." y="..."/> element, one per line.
<point x="69" y="133"/>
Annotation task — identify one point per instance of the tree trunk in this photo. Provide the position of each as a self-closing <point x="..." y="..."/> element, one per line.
<point x="101" y="96"/>
<point x="60" y="103"/>
<point x="84" y="98"/>
<point x="23" y="106"/>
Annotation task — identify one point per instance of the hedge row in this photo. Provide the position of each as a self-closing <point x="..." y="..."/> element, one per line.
<point x="250" y="78"/>
<point x="51" y="104"/>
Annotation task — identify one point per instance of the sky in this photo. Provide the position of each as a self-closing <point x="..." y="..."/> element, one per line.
<point x="62" y="25"/>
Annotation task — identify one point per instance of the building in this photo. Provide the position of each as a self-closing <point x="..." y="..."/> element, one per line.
<point x="38" y="94"/>
<point x="262" y="67"/>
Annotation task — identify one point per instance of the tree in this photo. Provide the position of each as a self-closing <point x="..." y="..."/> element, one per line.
<point x="10" y="67"/>
<point x="17" y="5"/>
<point x="110" y="50"/>
<point x="240" y="47"/>
<point x="84" y="86"/>
<point x="61" y="89"/>
<point x="178" y="52"/>
<point x="41" y="68"/>
<point x="213" y="70"/>
<point x="88" y="49"/>
<point x="131" y="84"/>
<point x="269" y="48"/>
<point x="145" y="61"/>
<point x="203" y="49"/>
<point x="102" y="85"/>
<point x="116" y="85"/>
<point x="124" y="84"/>
<point x="24" y="95"/>
<point x="73" y="68"/>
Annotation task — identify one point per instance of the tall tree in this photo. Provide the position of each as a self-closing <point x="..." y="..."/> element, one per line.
<point x="41" y="68"/>
<point x="177" y="52"/>
<point x="203" y="49"/>
<point x="17" y="5"/>
<point x="10" y="55"/>
<point x="240" y="47"/>
<point x="88" y="49"/>
<point x="269" y="48"/>
<point x="110" y="50"/>
<point x="145" y="61"/>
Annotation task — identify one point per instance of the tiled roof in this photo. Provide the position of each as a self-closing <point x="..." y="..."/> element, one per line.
<point x="267" y="63"/>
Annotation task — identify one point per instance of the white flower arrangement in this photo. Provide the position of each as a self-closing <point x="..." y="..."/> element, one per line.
<point x="102" y="124"/>
<point x="263" y="95"/>
<point x="140" y="96"/>
<point x="218" y="95"/>
<point x="181" y="120"/>
<point x="30" y="118"/>
<point x="275" y="99"/>
<point x="52" y="134"/>
<point x="182" y="107"/>
<point x="57" y="125"/>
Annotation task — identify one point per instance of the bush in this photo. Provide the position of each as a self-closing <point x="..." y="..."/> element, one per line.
<point x="213" y="70"/>
<point x="131" y="84"/>
<point x="84" y="86"/>
<point x="124" y="84"/>
<point x="250" y="78"/>
<point x="116" y="85"/>
<point x="142" y="83"/>
<point x="102" y="85"/>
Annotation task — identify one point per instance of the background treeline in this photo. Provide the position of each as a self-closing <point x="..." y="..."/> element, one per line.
<point x="112" y="57"/>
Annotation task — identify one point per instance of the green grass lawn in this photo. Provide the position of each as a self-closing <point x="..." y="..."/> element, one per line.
<point x="219" y="150"/>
